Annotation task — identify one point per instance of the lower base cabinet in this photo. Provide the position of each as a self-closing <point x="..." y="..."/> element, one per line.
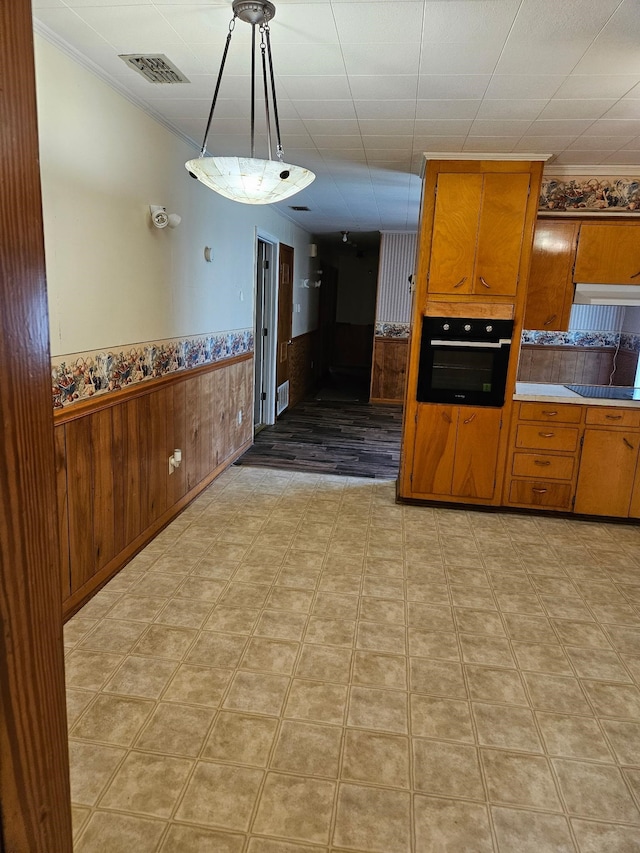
<point x="456" y="451"/>
<point x="607" y="473"/>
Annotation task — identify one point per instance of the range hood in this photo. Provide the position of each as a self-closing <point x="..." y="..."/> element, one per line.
<point x="607" y="294"/>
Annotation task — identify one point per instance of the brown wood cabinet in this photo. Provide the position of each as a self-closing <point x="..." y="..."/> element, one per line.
<point x="608" y="253"/>
<point x="456" y="450"/>
<point x="543" y="461"/>
<point x="478" y="231"/>
<point x="550" y="289"/>
<point x="388" y="370"/>
<point x="608" y="477"/>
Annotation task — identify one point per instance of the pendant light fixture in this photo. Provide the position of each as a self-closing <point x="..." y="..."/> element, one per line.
<point x="248" y="179"/>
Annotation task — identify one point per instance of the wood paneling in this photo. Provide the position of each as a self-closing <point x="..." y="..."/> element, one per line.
<point x="115" y="465"/>
<point x="285" y="312"/>
<point x="389" y="370"/>
<point x="35" y="813"/>
<point x="565" y="364"/>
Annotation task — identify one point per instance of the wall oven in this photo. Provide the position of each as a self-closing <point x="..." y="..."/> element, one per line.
<point x="464" y="360"/>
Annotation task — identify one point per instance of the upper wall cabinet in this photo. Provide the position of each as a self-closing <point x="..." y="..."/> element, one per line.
<point x="478" y="231"/>
<point x="550" y="290"/>
<point x="608" y="254"/>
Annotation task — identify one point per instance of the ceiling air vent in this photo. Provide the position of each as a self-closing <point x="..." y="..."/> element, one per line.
<point x="155" y="68"/>
<point x="298" y="207"/>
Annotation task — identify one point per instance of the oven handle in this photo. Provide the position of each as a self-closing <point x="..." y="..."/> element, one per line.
<point x="490" y="344"/>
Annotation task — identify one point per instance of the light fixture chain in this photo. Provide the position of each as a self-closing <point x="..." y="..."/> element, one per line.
<point x="253" y="90"/>
<point x="266" y="91"/>
<point x="232" y="25"/>
<point x="276" y="119"/>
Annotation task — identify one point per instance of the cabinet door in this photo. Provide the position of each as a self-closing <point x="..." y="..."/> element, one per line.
<point x="434" y="450"/>
<point x="550" y="290"/>
<point x="474" y="471"/>
<point x="607" y="470"/>
<point x="504" y="206"/>
<point x="608" y="254"/>
<point x="455" y="233"/>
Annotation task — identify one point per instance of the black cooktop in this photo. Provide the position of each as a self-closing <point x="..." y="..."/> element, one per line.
<point x="606" y="392"/>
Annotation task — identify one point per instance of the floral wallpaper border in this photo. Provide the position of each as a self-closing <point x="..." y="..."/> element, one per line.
<point x="625" y="340"/>
<point x="79" y="376"/>
<point x="392" y="330"/>
<point x="585" y="193"/>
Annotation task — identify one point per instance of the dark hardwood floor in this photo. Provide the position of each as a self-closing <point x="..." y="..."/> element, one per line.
<point x="332" y="437"/>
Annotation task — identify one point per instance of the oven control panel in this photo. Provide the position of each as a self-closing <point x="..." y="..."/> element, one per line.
<point x="468" y="328"/>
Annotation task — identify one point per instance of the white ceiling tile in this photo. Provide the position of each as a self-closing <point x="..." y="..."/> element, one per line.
<point x="325" y="141"/>
<point x="558" y="128"/>
<point x="543" y="143"/>
<point x="603" y="58"/>
<point x="634" y="145"/>
<point x="596" y="86"/>
<point x="385" y="109"/>
<point x="313" y="24"/>
<point x="559" y="108"/>
<point x="400" y="143"/>
<point x="131" y="29"/>
<point x="437" y="127"/>
<point x="499" y="127"/>
<point x="309" y="59"/>
<point x="332" y="126"/>
<point x="526" y="86"/>
<point x="507" y="109"/>
<point x="312" y="87"/>
<point x="359" y="58"/>
<point x="470" y="21"/>
<point x="73" y="29"/>
<point x="198" y="24"/>
<point x="550" y="20"/>
<point x="447" y="58"/>
<point x="47" y="4"/>
<point x="599" y="143"/>
<point x="581" y="158"/>
<point x="624" y="158"/>
<point x="488" y="144"/>
<point x="431" y="143"/>
<point x="614" y="127"/>
<point x="325" y="109"/>
<point x="400" y="21"/>
<point x="519" y="57"/>
<point x="380" y="88"/>
<point x="624" y="109"/>
<point x="466" y="86"/>
<point x="386" y="126"/>
<point x="444" y="109"/>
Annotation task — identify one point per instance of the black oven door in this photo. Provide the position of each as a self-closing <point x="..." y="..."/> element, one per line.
<point x="467" y="372"/>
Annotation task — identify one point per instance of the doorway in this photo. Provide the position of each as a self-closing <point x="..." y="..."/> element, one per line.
<point x="265" y="334"/>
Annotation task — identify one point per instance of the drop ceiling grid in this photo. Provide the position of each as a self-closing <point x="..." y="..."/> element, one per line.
<point x="366" y="87"/>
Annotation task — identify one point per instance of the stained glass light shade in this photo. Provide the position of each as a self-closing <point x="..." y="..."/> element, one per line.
<point x="250" y="180"/>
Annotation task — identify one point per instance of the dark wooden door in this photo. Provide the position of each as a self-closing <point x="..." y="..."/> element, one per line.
<point x="35" y="811"/>
<point x="285" y="316"/>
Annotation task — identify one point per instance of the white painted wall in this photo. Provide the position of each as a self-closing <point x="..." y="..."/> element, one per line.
<point x="112" y="277"/>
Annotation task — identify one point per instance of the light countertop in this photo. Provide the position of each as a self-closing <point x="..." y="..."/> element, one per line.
<point x="541" y="392"/>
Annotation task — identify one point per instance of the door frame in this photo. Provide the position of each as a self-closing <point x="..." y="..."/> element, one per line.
<point x="266" y="380"/>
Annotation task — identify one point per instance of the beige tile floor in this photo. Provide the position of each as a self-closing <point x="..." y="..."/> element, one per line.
<point x="299" y="664"/>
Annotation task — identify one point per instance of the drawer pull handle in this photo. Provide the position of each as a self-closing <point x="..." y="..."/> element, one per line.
<point x="635" y="275"/>
<point x="628" y="443"/>
<point x="469" y="419"/>
<point x="549" y="414"/>
<point x="541" y="462"/>
<point x="484" y="283"/>
<point x="460" y="283"/>
<point x="550" y="320"/>
<point x="546" y="434"/>
<point x="539" y="491"/>
<point x="613" y="417"/>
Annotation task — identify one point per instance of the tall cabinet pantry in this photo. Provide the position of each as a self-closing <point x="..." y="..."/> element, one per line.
<point x="474" y="251"/>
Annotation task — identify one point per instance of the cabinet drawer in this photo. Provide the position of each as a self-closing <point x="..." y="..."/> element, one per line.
<point x="540" y="493"/>
<point x="613" y="416"/>
<point x="546" y="437"/>
<point x="540" y="464"/>
<point x="550" y="412"/>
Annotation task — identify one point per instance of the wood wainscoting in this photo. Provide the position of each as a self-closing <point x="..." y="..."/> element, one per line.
<point x="303" y="366"/>
<point x="112" y="459"/>
<point x="566" y="364"/>
<point x="388" y="370"/>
